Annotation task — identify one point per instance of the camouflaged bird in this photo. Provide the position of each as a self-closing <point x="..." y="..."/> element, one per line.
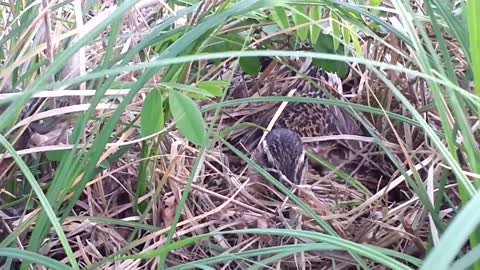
<point x="281" y="154"/>
<point x="282" y="151"/>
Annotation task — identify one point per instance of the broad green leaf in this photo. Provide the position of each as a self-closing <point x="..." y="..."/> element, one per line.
<point x="324" y="44"/>
<point x="214" y="87"/>
<point x="280" y="17"/>
<point x="188" y="118"/>
<point x="334" y="24"/>
<point x="152" y="115"/>
<point x="356" y="43"/>
<point x="315" y="14"/>
<point x="271" y="29"/>
<point x="346" y="38"/>
<point x="375" y="3"/>
<point x="196" y="96"/>
<point x="299" y="17"/>
<point x="224" y="43"/>
<point x="197" y="91"/>
<point x="250" y="65"/>
<point x="56" y="155"/>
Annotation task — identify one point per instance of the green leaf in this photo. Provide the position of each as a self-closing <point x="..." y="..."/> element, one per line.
<point x="152" y="115"/>
<point x="250" y="65"/>
<point x="223" y="43"/>
<point x="33" y="257"/>
<point x="315" y="14"/>
<point x="271" y="29"/>
<point x="214" y="87"/>
<point x="324" y="44"/>
<point x="189" y="88"/>
<point x="188" y="118"/>
<point x="187" y="2"/>
<point x="44" y="203"/>
<point x="299" y="17"/>
<point x="280" y="17"/>
<point x="346" y="38"/>
<point x="334" y="24"/>
<point x="356" y="43"/>
<point x="110" y="160"/>
<point x="56" y="155"/>
<point x="454" y="237"/>
<point x="473" y="19"/>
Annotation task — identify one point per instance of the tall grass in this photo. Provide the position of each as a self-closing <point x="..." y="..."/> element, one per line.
<point x="429" y="37"/>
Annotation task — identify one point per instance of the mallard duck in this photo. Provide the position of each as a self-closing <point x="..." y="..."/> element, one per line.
<point x="282" y="151"/>
<point x="282" y="154"/>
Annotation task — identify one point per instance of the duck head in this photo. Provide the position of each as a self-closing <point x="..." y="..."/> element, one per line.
<point x="282" y="154"/>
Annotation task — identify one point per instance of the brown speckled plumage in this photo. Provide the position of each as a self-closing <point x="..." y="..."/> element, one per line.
<point x="281" y="153"/>
<point x="312" y="120"/>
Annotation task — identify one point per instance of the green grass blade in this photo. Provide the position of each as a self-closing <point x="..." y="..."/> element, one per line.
<point x="43" y="201"/>
<point x="454" y="237"/>
<point x="270" y="53"/>
<point x="11" y="114"/>
<point x="245" y="255"/>
<point x="473" y="18"/>
<point x="465" y="262"/>
<point x="33" y="258"/>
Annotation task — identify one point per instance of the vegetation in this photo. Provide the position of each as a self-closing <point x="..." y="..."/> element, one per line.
<point x="121" y="130"/>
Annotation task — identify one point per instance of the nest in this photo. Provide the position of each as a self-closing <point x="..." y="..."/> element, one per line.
<point x="389" y="216"/>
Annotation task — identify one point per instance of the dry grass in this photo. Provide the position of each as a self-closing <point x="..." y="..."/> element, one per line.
<point x="390" y="217"/>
